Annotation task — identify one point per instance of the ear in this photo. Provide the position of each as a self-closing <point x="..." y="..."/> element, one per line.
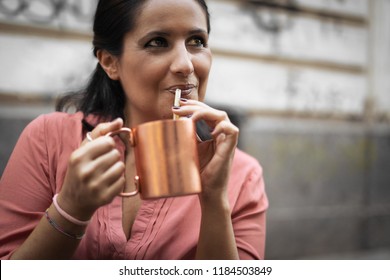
<point x="109" y="63"/>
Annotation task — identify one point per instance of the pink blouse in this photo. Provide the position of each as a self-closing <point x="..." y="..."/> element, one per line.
<point x="163" y="228"/>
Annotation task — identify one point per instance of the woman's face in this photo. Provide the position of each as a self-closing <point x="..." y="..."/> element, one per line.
<point x="168" y="49"/>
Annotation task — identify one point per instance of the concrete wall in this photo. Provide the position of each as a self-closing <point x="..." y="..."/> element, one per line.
<point x="328" y="184"/>
<point x="307" y="79"/>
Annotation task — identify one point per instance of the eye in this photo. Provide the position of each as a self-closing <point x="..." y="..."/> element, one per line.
<point x="197" y="42"/>
<point x="157" y="43"/>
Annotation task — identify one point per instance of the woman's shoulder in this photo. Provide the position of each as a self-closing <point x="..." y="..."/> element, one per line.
<point x="57" y="118"/>
<point x="55" y="129"/>
<point x="53" y="122"/>
<point x="246" y="162"/>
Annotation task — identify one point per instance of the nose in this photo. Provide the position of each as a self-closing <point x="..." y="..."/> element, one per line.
<point x="182" y="61"/>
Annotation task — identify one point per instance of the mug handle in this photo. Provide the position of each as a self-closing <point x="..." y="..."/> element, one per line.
<point x="136" y="178"/>
<point x="133" y="193"/>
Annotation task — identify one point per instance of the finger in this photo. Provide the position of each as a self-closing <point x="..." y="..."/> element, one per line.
<point x="198" y="112"/>
<point x="87" y="139"/>
<point x="106" y="193"/>
<point x="200" y="108"/>
<point x="102" y="163"/>
<point x="225" y="127"/>
<point x="226" y="133"/>
<point x="104" y="128"/>
<point x="184" y="102"/>
<point x="111" y="175"/>
<point x="115" y="172"/>
<point x="192" y="105"/>
<point x="210" y="114"/>
<point x="93" y="150"/>
<point x="115" y="188"/>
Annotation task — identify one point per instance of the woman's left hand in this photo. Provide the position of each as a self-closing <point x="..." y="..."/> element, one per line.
<point x="215" y="156"/>
<point x="216" y="235"/>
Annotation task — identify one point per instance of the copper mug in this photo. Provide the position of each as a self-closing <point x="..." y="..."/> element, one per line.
<point x="166" y="158"/>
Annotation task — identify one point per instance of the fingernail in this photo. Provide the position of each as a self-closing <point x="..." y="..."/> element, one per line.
<point x="175" y="107"/>
<point x="183" y="100"/>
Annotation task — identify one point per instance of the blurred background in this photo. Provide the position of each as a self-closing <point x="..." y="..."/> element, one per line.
<point x="307" y="81"/>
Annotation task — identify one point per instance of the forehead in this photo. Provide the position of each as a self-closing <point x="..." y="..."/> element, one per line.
<point x="171" y="13"/>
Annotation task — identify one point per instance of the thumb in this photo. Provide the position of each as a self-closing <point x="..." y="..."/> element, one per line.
<point x="104" y="128"/>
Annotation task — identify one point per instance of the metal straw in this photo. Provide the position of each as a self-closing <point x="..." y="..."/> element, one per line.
<point x="176" y="103"/>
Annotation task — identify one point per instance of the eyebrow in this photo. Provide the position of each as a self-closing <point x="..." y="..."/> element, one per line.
<point x="163" y="33"/>
<point x="197" y="31"/>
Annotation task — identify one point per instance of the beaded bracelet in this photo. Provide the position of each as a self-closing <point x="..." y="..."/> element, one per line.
<point x="66" y="215"/>
<point x="60" y="229"/>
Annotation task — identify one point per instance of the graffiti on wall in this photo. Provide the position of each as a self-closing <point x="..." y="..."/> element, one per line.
<point x="58" y="13"/>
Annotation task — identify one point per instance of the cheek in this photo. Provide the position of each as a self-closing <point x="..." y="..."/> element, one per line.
<point x="203" y="71"/>
<point x="202" y="90"/>
<point x="140" y="77"/>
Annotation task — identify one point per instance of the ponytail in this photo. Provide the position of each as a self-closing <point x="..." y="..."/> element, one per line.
<point x="102" y="96"/>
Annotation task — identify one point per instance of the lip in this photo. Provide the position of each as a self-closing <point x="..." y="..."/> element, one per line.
<point x="186" y="89"/>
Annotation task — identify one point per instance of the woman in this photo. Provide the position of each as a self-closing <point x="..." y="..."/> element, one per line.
<point x="146" y="50"/>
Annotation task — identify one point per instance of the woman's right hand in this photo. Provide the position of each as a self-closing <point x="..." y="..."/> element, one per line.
<point x="94" y="175"/>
